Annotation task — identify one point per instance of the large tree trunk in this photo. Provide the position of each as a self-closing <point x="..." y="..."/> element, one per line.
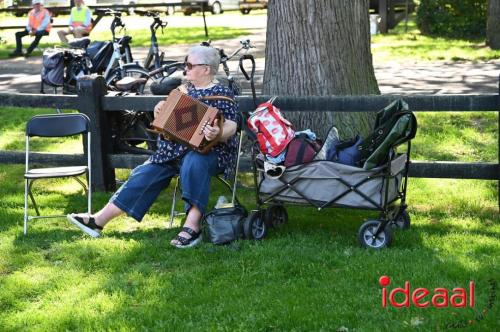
<point x="320" y="47"/>
<point x="493" y="25"/>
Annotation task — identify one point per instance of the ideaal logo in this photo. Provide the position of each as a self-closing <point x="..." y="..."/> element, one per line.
<point x="440" y="298"/>
<point x="421" y="297"/>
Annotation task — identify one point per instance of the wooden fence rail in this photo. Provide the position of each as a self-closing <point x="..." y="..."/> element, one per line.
<point x="92" y="100"/>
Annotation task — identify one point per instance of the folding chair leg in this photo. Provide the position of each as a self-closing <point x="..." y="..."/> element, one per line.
<point x="25" y="206"/>
<point x="33" y="198"/>
<point x="173" y="213"/>
<point x="89" y="199"/>
<point x="84" y="186"/>
<point x="88" y="193"/>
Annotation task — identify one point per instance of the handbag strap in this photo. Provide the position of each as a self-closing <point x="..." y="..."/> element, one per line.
<point x="218" y="98"/>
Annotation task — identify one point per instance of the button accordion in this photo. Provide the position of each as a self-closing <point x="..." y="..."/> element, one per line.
<point x="182" y="118"/>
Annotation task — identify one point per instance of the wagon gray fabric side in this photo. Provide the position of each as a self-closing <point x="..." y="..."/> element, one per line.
<point x="325" y="181"/>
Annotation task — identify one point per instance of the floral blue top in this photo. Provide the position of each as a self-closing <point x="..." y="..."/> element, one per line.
<point x="226" y="151"/>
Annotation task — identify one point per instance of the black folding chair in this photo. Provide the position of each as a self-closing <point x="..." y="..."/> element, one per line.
<point x="231" y="186"/>
<point x="55" y="125"/>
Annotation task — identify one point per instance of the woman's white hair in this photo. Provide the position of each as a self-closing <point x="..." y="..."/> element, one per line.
<point x="206" y="55"/>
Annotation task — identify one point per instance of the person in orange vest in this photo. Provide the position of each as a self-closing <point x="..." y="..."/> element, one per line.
<point x="38" y="26"/>
<point x="80" y="22"/>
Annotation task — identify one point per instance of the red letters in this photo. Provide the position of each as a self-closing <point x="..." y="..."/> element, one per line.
<point x="459" y="293"/>
<point x="440" y="293"/>
<point x="440" y="297"/>
<point x="405" y="291"/>
<point x="415" y="297"/>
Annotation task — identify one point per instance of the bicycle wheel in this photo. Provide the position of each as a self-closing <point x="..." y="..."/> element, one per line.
<point x="131" y="134"/>
<point x="134" y="71"/>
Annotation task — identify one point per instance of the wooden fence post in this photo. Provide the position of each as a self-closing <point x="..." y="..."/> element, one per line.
<point x="90" y="92"/>
<point x="382" y="11"/>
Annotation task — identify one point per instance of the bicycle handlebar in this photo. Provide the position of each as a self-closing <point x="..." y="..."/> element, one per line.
<point x="150" y="13"/>
<point x="108" y="12"/>
<point x="117" y="22"/>
<point x="158" y="23"/>
<point x="166" y="67"/>
<point x="245" y="45"/>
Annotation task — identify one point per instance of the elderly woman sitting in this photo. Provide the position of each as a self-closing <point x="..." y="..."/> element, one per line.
<point x="147" y="180"/>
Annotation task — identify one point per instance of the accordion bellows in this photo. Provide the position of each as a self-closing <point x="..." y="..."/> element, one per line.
<point x="182" y="119"/>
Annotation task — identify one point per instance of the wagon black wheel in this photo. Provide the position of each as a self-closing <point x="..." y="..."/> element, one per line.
<point x="402" y="221"/>
<point x="276" y="216"/>
<point x="254" y="226"/>
<point x="368" y="239"/>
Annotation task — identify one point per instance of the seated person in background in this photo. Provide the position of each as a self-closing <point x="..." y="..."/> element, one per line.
<point x="195" y="170"/>
<point x="38" y="26"/>
<point x="80" y="22"/>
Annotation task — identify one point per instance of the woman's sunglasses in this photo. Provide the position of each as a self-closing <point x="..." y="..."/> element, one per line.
<point x="190" y="65"/>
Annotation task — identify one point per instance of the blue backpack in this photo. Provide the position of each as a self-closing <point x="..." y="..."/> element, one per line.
<point x="346" y="152"/>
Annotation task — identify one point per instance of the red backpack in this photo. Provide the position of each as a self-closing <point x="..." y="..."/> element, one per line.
<point x="273" y="131"/>
<point x="301" y="150"/>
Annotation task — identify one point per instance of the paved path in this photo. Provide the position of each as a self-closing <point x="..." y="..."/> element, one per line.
<point x="20" y="75"/>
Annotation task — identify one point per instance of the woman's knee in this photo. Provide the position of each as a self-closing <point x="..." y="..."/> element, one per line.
<point x="196" y="163"/>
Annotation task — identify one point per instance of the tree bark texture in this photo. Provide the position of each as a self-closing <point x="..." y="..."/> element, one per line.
<point x="320" y="47"/>
<point x="493" y="25"/>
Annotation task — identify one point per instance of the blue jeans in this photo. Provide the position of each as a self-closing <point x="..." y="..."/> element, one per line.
<point x="146" y="181"/>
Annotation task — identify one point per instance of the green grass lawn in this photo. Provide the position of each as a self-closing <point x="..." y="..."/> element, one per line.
<point x="310" y="275"/>
<point x="140" y="37"/>
<point x="410" y="44"/>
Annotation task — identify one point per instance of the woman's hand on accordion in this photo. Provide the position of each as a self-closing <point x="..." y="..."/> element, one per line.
<point x="157" y="108"/>
<point x="211" y="131"/>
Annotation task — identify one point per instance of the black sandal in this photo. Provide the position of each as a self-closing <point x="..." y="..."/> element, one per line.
<point x="188" y="243"/>
<point x="91" y="228"/>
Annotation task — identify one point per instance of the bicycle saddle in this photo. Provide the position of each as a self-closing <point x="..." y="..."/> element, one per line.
<point x="80" y="43"/>
<point x="130" y="83"/>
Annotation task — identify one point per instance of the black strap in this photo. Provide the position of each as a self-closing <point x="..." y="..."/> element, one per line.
<point x="302" y="149"/>
<point x="91" y="223"/>
<point x="225" y="98"/>
<point x="252" y="74"/>
<point x="191" y="232"/>
<point x="184" y="241"/>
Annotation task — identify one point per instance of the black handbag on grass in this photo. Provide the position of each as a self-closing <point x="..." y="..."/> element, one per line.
<point x="224" y="225"/>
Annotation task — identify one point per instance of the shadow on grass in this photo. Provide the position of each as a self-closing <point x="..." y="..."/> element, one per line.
<point x="151" y="285"/>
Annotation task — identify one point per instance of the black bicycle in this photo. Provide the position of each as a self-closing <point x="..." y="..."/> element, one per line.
<point x="228" y="79"/>
<point x="99" y="57"/>
<point x="155" y="58"/>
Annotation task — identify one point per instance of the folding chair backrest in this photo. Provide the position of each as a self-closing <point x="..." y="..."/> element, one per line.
<point x="58" y="125"/>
